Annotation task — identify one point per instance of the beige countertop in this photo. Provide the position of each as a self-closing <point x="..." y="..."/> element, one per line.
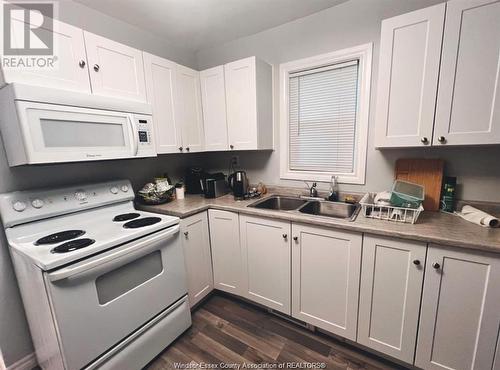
<point x="432" y="227"/>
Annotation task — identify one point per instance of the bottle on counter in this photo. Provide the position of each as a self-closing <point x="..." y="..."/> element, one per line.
<point x="333" y="196"/>
<point x="448" y="194"/>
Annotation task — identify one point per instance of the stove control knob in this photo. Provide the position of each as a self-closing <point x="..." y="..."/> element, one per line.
<point x="114" y="190"/>
<point x="124" y="188"/>
<point x="37" y="203"/>
<point x="19" y="206"/>
<point x="80" y="196"/>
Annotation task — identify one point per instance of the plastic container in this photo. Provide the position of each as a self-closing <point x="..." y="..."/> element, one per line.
<point x="407" y="194"/>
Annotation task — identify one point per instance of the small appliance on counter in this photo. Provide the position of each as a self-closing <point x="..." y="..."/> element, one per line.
<point x="238" y="182"/>
<point x="194" y="178"/>
<point x="215" y="185"/>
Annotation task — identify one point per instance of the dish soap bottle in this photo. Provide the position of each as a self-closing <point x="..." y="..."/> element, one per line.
<point x="334" y="190"/>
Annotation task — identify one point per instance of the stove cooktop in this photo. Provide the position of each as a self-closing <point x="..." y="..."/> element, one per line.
<point x="57" y="241"/>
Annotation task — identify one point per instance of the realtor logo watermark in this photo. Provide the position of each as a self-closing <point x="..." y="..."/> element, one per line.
<point x="28" y="35"/>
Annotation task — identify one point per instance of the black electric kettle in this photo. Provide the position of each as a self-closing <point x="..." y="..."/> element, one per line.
<point x="238" y="183"/>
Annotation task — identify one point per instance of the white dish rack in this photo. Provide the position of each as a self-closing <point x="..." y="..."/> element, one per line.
<point x="388" y="213"/>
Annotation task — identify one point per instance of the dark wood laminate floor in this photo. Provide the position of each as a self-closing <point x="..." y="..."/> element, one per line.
<point x="226" y="330"/>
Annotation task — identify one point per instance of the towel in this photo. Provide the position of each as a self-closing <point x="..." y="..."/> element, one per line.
<point x="479" y="217"/>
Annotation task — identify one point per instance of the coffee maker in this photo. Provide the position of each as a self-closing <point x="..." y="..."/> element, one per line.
<point x="238" y="183"/>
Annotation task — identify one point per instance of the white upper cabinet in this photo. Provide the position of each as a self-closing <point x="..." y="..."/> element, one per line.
<point x="213" y="97"/>
<point x="468" y="105"/>
<point x="160" y="85"/>
<point x="188" y="111"/>
<point x="70" y="68"/>
<point x="392" y="275"/>
<point x="196" y="245"/>
<point x="326" y="267"/>
<point x="460" y="316"/>
<point x="249" y="104"/>
<point x="265" y="244"/>
<point x="115" y="69"/>
<point x="410" y="51"/>
<point x="226" y="251"/>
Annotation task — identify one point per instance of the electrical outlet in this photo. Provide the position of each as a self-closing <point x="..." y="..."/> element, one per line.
<point x="235" y="161"/>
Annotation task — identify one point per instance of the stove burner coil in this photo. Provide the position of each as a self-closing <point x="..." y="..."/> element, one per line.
<point x="60" y="237"/>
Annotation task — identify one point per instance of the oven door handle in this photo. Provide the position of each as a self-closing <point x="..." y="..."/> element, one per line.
<point x="114" y="259"/>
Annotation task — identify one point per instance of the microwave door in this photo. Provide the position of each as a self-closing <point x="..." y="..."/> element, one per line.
<point x="54" y="133"/>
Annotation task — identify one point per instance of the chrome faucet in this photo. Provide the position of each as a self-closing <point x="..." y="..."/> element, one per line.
<point x="313" y="192"/>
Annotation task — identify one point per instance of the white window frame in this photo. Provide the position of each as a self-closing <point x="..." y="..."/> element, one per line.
<point x="362" y="53"/>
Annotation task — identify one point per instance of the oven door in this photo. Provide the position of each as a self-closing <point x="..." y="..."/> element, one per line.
<point x="58" y="133"/>
<point x="101" y="300"/>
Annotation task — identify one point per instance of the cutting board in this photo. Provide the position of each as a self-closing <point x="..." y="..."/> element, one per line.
<point x="426" y="172"/>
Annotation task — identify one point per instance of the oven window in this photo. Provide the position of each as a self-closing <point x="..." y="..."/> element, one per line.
<point x="63" y="133"/>
<point x="125" y="278"/>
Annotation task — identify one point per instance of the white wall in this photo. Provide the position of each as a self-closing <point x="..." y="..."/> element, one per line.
<point x="15" y="342"/>
<point x="352" y="23"/>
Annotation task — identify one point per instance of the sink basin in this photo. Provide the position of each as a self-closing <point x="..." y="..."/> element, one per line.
<point x="279" y="203"/>
<point x="330" y="209"/>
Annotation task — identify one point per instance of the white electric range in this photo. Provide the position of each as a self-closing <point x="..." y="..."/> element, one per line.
<point x="103" y="285"/>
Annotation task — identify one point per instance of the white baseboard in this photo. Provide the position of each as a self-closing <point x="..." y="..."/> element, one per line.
<point x="26" y="363"/>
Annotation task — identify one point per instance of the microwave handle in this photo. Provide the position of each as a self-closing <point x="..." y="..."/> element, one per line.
<point x="111" y="261"/>
<point x="134" y="135"/>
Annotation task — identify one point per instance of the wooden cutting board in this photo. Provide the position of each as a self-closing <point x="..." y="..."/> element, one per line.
<point x="426" y="172"/>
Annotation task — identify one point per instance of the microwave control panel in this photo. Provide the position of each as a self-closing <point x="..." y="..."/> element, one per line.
<point x="144" y="128"/>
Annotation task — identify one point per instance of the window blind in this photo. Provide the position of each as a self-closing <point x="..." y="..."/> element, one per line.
<point x="322" y="118"/>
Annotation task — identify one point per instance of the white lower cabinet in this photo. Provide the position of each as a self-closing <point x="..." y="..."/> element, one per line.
<point x="392" y="275"/>
<point x="226" y="251"/>
<point x="460" y="318"/>
<point x="196" y="244"/>
<point x="266" y="261"/>
<point x="325" y="278"/>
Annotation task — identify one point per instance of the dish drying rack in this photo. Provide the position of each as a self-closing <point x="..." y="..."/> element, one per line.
<point x="388" y="213"/>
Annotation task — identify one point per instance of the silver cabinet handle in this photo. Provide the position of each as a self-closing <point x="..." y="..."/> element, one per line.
<point x="81" y="63"/>
<point x="436" y="265"/>
<point x="96" y="67"/>
<point x="442" y="139"/>
<point x="424" y="140"/>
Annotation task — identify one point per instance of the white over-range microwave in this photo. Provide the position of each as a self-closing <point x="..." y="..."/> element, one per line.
<point x="42" y="125"/>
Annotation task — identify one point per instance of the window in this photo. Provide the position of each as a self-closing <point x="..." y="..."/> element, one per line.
<point x="324" y="116"/>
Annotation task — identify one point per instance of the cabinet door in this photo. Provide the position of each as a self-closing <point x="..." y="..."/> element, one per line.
<point x="265" y="244"/>
<point x="241" y="98"/>
<point x="188" y="108"/>
<point x="468" y="105"/>
<point x="226" y="251"/>
<point x="196" y="244"/>
<point x="213" y="97"/>
<point x="460" y="317"/>
<point x="389" y="300"/>
<point x="116" y="70"/>
<point x="410" y="50"/>
<point x="325" y="278"/>
<point x="70" y="68"/>
<point x="160" y="86"/>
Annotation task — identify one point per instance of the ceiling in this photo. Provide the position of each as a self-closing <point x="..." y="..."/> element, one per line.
<point x="196" y="24"/>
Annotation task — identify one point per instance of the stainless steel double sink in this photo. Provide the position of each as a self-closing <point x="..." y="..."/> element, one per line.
<point x="307" y="206"/>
